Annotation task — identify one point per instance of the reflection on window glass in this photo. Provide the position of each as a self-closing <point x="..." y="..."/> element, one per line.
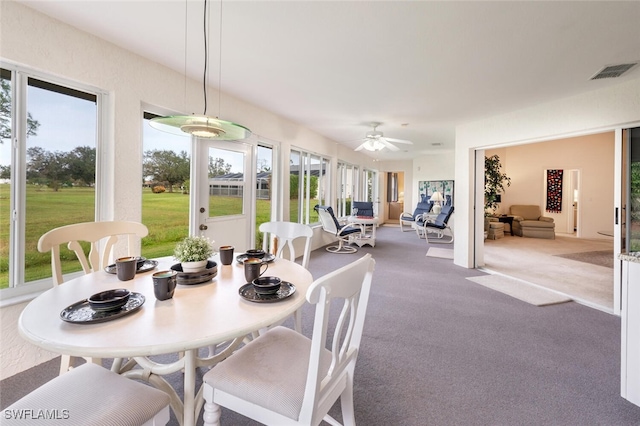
<point x="226" y="182"/>
<point x="165" y="194"/>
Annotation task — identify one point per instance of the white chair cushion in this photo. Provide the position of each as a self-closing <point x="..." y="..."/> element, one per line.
<point x="271" y="371"/>
<point x="89" y="395"/>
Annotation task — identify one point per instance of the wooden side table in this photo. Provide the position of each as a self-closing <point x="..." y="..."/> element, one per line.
<point x="507" y="219"/>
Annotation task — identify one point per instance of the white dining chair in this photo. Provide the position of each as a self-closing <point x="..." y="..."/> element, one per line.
<point x="285" y="378"/>
<point x="95" y="233"/>
<point x="278" y="235"/>
<point x="90" y="395"/>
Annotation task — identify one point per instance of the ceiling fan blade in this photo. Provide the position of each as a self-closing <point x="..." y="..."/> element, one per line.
<point x="390" y="146"/>
<point x="360" y="147"/>
<point x="399" y="141"/>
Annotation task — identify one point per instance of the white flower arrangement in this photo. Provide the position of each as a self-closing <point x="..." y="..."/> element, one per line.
<point x="193" y="249"/>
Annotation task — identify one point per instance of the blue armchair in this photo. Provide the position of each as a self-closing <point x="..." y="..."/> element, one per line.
<point x="409" y="219"/>
<point x="365" y="208"/>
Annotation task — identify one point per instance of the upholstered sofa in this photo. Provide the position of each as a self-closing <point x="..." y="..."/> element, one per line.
<point x="529" y="222"/>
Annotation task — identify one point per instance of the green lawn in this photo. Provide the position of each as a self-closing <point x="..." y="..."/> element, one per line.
<point x="166" y="215"/>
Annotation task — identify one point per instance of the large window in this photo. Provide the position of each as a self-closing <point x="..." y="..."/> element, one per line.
<point x="369" y="189"/>
<point x="348" y="186"/>
<point x="308" y="185"/>
<point x="165" y="189"/>
<point x="49" y="179"/>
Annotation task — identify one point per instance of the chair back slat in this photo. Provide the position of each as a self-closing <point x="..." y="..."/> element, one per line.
<point x="279" y="235"/>
<point x="94" y="233"/>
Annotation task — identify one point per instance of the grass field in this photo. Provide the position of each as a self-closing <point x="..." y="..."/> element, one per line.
<point x="166" y="215"/>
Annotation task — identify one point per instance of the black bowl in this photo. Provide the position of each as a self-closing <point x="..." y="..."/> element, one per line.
<point x="140" y="261"/>
<point x="109" y="300"/>
<point x="256" y="253"/>
<point x="266" y="285"/>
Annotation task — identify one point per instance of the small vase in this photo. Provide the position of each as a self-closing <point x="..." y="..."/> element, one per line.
<point x="198" y="266"/>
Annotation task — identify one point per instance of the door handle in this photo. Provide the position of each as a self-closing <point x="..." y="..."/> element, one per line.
<point x="203" y="227"/>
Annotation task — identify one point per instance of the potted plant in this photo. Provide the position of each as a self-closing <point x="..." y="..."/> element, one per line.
<point x="494" y="181"/>
<point x="193" y="253"/>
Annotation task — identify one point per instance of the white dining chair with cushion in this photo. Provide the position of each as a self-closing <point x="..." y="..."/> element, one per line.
<point x="278" y="235"/>
<point x="285" y="378"/>
<point x="95" y="233"/>
<point x="90" y="395"/>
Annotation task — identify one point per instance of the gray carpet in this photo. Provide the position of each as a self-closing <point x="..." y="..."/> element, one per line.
<point x="600" y="258"/>
<point x="440" y="350"/>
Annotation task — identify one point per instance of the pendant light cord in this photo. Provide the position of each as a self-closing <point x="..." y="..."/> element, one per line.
<point x="220" y="64"/>
<point x="206" y="56"/>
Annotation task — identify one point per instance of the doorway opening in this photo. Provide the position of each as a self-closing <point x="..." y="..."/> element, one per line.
<point x="395" y="196"/>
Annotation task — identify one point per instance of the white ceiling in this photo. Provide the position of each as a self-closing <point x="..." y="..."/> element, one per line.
<point x="335" y="66"/>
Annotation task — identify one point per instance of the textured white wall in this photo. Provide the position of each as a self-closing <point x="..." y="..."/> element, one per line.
<point x="17" y="354"/>
<point x="593" y="112"/>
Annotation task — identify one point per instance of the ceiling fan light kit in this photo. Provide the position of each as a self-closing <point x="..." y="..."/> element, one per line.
<point x="202" y="126"/>
<point x="376" y="141"/>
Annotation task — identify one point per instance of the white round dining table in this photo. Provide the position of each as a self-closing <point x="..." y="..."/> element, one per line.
<point x="198" y="316"/>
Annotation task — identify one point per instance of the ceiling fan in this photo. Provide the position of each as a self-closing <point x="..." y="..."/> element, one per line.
<point x="376" y="141"/>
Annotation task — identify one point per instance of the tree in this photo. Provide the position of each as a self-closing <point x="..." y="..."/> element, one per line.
<point x="5" y="172"/>
<point x="218" y="167"/>
<point x="82" y="165"/>
<point x="165" y="166"/>
<point x="5" y="113"/>
<point x="47" y="168"/>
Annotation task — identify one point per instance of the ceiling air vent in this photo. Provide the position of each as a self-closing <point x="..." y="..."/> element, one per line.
<point x="612" y="71"/>
<point x="436" y="144"/>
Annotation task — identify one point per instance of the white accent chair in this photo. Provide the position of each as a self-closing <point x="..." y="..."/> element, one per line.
<point x="284" y="378"/>
<point x="91" y="395"/>
<point x="278" y="235"/>
<point x="94" y="233"/>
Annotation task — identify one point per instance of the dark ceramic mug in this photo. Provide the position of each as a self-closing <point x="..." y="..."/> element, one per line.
<point x="164" y="284"/>
<point x="253" y="268"/>
<point x="226" y="255"/>
<point x="126" y="268"/>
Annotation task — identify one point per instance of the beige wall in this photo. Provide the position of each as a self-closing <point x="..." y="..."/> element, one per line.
<point x="592" y="155"/>
<point x="602" y="110"/>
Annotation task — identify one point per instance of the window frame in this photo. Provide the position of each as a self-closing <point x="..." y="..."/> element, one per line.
<point x="304" y="190"/>
<point x="19" y="289"/>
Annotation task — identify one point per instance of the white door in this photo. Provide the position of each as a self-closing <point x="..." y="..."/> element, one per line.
<point x="222" y="182"/>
